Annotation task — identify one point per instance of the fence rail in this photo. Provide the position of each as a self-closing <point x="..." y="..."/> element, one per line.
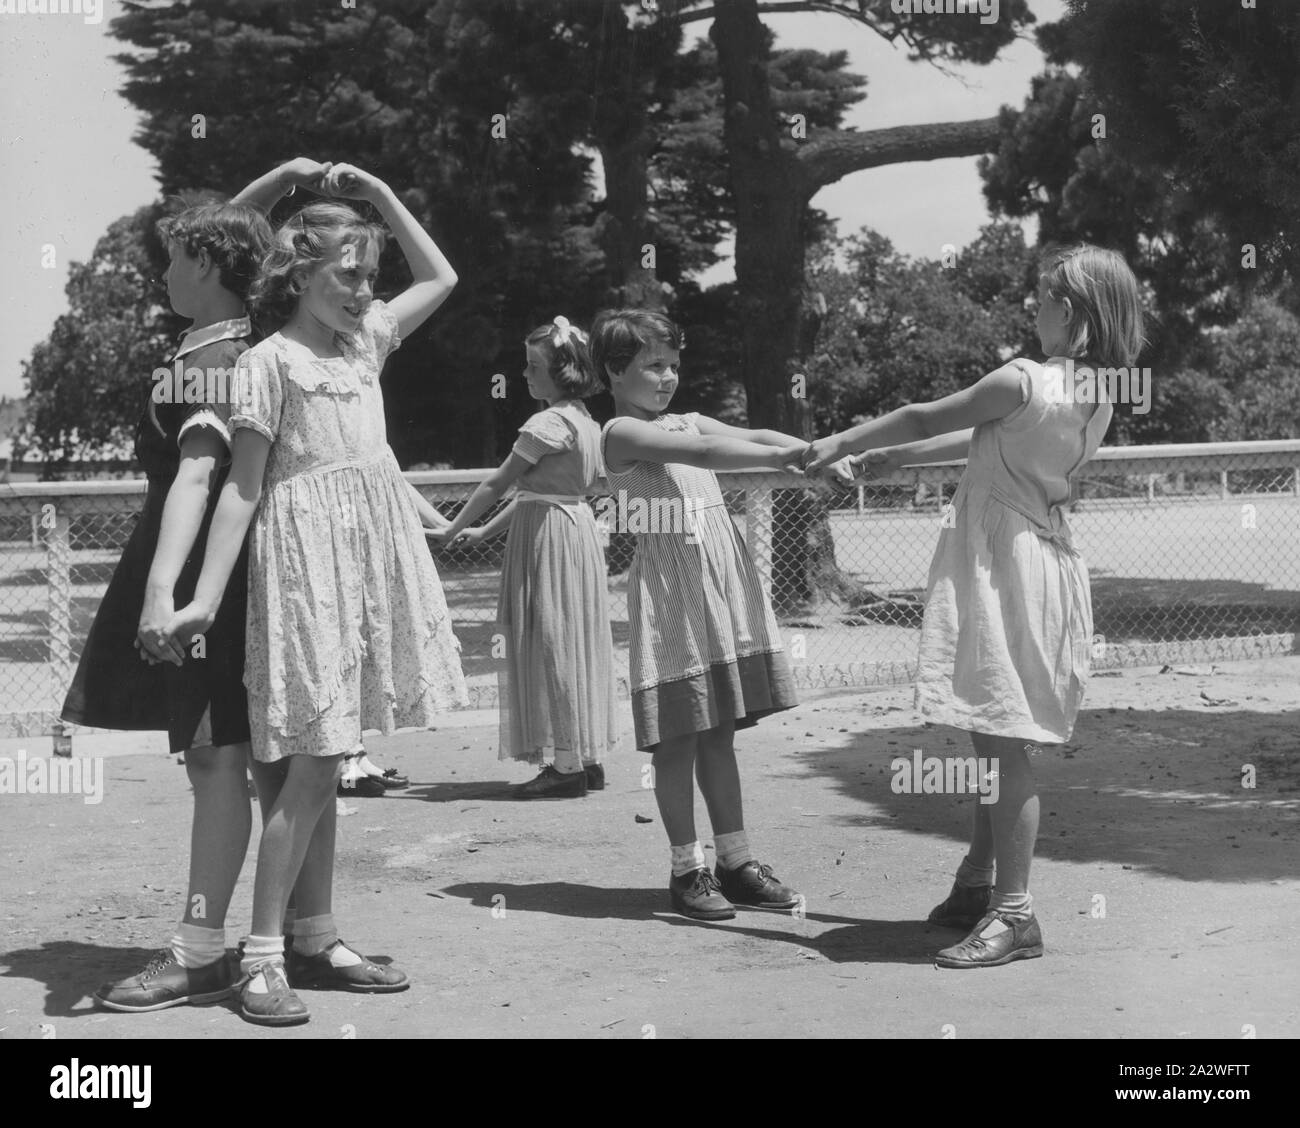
<point x="1192" y="549"/>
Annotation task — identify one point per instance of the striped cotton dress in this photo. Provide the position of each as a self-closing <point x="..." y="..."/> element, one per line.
<point x="556" y="684"/>
<point x="705" y="646"/>
<point x="1007" y="631"/>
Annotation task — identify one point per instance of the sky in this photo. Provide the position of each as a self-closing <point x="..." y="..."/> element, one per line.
<point x="70" y="168"/>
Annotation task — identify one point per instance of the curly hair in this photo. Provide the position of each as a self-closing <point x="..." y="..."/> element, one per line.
<point x="568" y="361"/>
<point x="235" y="236"/>
<point x="617" y="335"/>
<point x="301" y="244"/>
<point x="1106" y="305"/>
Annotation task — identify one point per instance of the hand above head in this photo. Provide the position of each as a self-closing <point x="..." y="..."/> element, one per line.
<point x="350" y="183"/>
<point x="303" y="172"/>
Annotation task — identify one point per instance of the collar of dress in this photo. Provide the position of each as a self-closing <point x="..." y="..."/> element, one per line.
<point x="229" y="330"/>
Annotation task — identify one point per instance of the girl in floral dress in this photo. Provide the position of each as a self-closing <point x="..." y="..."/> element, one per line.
<point x="348" y="628"/>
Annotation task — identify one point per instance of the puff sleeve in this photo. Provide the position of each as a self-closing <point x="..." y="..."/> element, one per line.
<point x="547" y="432"/>
<point x="258" y="395"/>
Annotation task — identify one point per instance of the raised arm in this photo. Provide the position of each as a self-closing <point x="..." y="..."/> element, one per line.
<point x="945" y="448"/>
<point x="993" y="397"/>
<point x="709" y="426"/>
<point x="433" y="276"/>
<point x="635" y="440"/>
<point x="265" y="192"/>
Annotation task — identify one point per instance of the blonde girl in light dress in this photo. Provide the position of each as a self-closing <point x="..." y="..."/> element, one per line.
<point x="348" y="628"/>
<point x="1006" y="636"/>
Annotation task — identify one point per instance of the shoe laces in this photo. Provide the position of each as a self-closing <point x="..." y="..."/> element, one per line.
<point x="706" y="881"/>
<point x="158" y="964"/>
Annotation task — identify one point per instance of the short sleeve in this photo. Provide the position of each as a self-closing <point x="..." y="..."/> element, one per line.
<point x="217" y="362"/>
<point x="547" y="432"/>
<point x="258" y="396"/>
<point x="1026" y="394"/>
<point x="380" y="327"/>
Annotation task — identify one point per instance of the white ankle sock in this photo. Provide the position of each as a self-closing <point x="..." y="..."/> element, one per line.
<point x="197" y="946"/>
<point x="258" y="949"/>
<point x="687" y="858"/>
<point x="732" y="849"/>
<point x="1018" y="906"/>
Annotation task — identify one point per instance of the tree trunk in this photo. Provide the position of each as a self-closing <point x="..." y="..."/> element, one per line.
<point x="772" y="185"/>
<point x="771" y="207"/>
<point x="623" y="230"/>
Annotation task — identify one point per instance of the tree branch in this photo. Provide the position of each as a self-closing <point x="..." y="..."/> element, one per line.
<point x="832" y="155"/>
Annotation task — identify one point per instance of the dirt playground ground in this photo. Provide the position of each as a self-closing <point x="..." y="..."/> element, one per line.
<point x="1168" y="892"/>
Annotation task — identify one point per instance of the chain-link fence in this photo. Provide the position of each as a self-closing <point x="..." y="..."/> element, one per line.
<point x="1192" y="550"/>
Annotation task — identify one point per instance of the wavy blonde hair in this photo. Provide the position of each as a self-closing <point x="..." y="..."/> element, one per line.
<point x="300" y="245"/>
<point x="1106" y="322"/>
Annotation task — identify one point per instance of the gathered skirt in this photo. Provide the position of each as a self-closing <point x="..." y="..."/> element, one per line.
<point x="555" y="677"/>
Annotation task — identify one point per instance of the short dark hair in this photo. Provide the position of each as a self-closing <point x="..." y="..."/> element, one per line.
<point x="236" y="237"/>
<point x="568" y="361"/>
<point x="619" y="334"/>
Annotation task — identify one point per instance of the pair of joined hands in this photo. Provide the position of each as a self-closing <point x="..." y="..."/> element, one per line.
<point x="817" y="460"/>
<point x="466" y="537"/>
<point x="164" y="633"/>
<point x="342" y="181"/>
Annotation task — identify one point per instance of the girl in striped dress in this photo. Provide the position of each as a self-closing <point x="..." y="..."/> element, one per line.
<point x="556" y="678"/>
<point x="706" y="655"/>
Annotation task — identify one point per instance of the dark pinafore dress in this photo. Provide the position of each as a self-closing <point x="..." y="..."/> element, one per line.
<point x="202" y="702"/>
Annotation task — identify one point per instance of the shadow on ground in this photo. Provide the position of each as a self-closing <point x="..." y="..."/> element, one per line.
<point x="1157" y="789"/>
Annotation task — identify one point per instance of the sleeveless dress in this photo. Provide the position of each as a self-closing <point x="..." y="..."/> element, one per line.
<point x="201" y="702"/>
<point x="556" y="680"/>
<point x="1007" y="630"/>
<point x="705" y="646"/>
<point x="348" y="628"/>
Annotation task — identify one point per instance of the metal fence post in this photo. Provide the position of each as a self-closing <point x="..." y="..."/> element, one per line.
<point x="58" y="557"/>
<point x="758" y="531"/>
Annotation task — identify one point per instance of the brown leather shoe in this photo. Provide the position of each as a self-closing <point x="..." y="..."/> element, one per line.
<point x="552" y="784"/>
<point x="164" y="983"/>
<point x="1022" y="940"/>
<point x="367" y="977"/>
<point x="279" y="1006"/>
<point x="697" y="895"/>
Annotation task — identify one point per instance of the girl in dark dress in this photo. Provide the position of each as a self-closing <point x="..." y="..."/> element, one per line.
<point x="130" y="676"/>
